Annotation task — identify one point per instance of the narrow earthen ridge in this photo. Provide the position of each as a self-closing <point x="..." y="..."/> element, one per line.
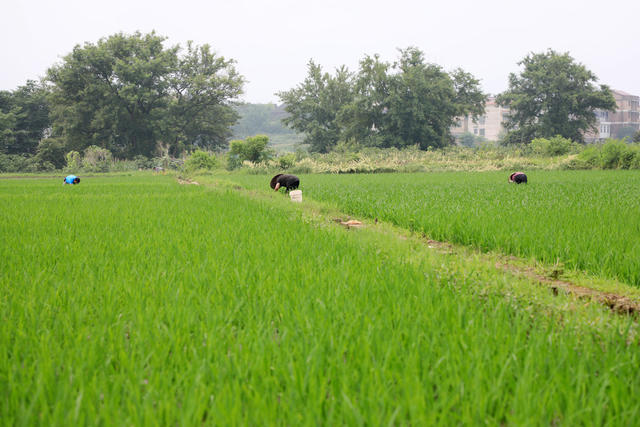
<point x="617" y="303"/>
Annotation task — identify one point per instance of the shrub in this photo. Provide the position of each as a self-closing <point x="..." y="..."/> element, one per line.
<point x="575" y="163"/>
<point x="590" y="157"/>
<point x="286" y="161"/>
<point x="51" y="151"/>
<point x="73" y="161"/>
<point x="14" y="162"/>
<point x="556" y="146"/>
<point x="143" y="162"/>
<point x="200" y="160"/>
<point x="96" y="159"/>
<point x="540" y="146"/>
<point x="612" y="153"/>
<point x="253" y="149"/>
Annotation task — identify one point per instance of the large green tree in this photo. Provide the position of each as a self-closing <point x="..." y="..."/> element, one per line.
<point x="410" y="102"/>
<point x="314" y="106"/>
<point x="127" y="93"/>
<point x="553" y="95"/>
<point x="24" y="118"/>
<point x="425" y="101"/>
<point x="203" y="89"/>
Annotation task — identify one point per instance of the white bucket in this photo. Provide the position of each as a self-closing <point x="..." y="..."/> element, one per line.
<point x="296" y="195"/>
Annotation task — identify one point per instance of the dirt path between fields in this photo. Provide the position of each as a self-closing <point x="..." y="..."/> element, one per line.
<point x="618" y="303"/>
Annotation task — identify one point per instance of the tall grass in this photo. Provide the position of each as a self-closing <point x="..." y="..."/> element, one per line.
<point x="133" y="300"/>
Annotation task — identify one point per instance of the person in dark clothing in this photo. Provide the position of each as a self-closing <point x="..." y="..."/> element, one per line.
<point x="290" y="182"/>
<point x="518" y="178"/>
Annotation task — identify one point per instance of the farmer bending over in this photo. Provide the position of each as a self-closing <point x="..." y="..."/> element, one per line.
<point x="290" y="182"/>
<point x="518" y="177"/>
<point x="71" y="179"/>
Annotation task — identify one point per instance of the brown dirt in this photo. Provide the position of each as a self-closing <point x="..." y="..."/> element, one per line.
<point x="187" y="181"/>
<point x="350" y="223"/>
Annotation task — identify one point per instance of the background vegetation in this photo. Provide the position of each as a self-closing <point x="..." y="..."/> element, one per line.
<point x="129" y="102"/>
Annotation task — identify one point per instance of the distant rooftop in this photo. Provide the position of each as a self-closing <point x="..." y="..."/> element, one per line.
<point x="621" y="93"/>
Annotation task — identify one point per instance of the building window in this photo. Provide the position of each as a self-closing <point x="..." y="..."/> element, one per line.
<point x="475" y="131"/>
<point x="482" y="132"/>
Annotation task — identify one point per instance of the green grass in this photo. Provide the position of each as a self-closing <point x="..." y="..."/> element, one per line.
<point x="586" y="220"/>
<point x="134" y="300"/>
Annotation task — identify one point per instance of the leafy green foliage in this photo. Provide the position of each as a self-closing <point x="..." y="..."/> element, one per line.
<point x="253" y="149"/>
<point x="73" y="161"/>
<point x="286" y="161"/>
<point x="556" y="146"/>
<point x="18" y="163"/>
<point x="552" y="96"/>
<point x="96" y="159"/>
<point x="52" y="150"/>
<point x="384" y="105"/>
<point x="313" y="106"/>
<point x="200" y="106"/>
<point x="266" y="119"/>
<point x="200" y="160"/>
<point x="24" y="118"/>
<point x="613" y="154"/>
<point x="129" y="93"/>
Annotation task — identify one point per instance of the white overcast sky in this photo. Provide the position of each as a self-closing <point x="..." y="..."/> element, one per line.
<point x="272" y="41"/>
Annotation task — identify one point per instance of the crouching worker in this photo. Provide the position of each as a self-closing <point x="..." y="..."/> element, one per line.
<point x="290" y="182"/>
<point x="71" y="179"/>
<point x="518" y="177"/>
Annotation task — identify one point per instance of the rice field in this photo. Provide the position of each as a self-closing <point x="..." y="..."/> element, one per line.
<point x="584" y="220"/>
<point x="136" y="300"/>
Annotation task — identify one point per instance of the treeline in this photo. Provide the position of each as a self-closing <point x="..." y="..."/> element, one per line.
<point x="128" y="94"/>
<point x="136" y="99"/>
<point x="410" y="102"/>
<point x="383" y="104"/>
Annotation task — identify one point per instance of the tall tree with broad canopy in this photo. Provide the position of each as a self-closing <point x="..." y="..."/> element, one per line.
<point x="24" y="118"/>
<point x="314" y="105"/>
<point x="425" y="101"/>
<point x="553" y="95"/>
<point x="403" y="104"/>
<point x="127" y="93"/>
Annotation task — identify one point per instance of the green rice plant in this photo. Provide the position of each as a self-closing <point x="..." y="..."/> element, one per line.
<point x="586" y="219"/>
<point x="136" y="301"/>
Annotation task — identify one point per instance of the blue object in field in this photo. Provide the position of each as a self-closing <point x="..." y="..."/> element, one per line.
<point x="69" y="179"/>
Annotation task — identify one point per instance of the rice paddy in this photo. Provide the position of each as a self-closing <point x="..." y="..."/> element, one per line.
<point x="583" y="220"/>
<point x="136" y="300"/>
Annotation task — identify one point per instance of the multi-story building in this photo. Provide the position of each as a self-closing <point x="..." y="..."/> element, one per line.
<point x="488" y="126"/>
<point x="625" y="121"/>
